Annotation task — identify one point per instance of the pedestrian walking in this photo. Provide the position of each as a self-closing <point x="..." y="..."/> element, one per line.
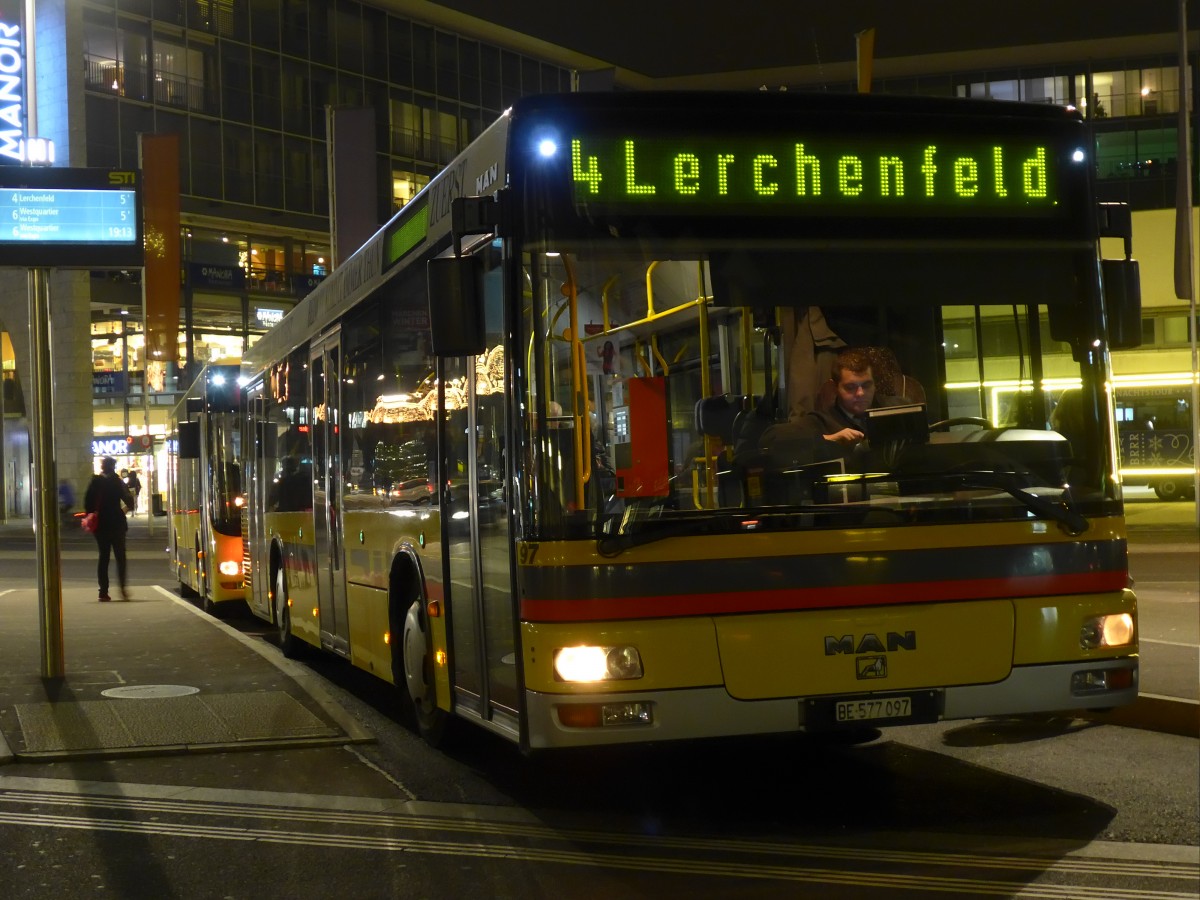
<point x="106" y="494"/>
<point x="135" y="487"/>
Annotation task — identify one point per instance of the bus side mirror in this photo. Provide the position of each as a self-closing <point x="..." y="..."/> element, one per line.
<point x="189" y="440"/>
<point x="456" y="306"/>
<point x="1122" y="302"/>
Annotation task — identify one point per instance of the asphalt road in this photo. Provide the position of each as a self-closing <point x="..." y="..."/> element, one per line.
<point x="1033" y="806"/>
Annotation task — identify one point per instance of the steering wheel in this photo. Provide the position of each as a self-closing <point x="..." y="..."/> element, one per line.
<point x="960" y="420"/>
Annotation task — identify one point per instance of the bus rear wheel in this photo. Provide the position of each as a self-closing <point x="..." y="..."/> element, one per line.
<point x="417" y="670"/>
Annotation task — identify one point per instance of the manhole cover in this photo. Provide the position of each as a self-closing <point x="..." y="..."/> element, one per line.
<point x="150" y="691"/>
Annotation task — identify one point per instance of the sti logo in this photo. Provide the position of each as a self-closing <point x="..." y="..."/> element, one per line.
<point x="122" y="177"/>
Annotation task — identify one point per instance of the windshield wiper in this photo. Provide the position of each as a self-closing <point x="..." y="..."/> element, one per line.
<point x="1072" y="521"/>
<point x="638" y="532"/>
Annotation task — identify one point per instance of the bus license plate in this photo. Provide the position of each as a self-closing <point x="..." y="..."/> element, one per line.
<point x="824" y="713"/>
<point x="872" y="710"/>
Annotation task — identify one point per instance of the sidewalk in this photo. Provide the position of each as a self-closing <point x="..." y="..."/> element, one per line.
<point x="148" y="677"/>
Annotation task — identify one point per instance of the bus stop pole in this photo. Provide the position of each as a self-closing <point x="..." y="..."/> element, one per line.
<point x="46" y="519"/>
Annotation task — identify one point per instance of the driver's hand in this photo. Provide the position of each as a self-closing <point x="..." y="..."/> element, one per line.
<point x="846" y="436"/>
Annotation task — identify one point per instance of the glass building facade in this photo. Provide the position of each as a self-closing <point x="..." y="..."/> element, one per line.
<point x="246" y="84"/>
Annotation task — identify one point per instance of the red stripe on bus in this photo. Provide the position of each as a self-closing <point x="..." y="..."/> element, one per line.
<point x="818" y="598"/>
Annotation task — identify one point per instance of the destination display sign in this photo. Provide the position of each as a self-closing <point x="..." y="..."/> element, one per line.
<point x="818" y="174"/>
<point x="70" y="218"/>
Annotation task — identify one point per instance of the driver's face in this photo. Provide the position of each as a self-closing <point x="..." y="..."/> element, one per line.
<point x="856" y="390"/>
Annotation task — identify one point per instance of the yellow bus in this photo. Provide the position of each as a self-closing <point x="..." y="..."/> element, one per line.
<point x="541" y="452"/>
<point x="204" y="492"/>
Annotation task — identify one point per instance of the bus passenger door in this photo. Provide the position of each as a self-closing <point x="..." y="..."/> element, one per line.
<point x="258" y="476"/>
<point x="325" y="395"/>
<point x="476" y="511"/>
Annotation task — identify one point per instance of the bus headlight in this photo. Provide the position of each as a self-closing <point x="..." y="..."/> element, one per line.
<point x="1106" y="631"/>
<point x="586" y="664"/>
<point x="230" y="567"/>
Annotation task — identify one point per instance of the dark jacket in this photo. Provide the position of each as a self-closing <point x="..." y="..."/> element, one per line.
<point x="105" y="494"/>
<point x="834" y="419"/>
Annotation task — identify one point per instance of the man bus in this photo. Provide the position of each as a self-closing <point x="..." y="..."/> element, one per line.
<point x="568" y="549"/>
<point x="204" y="492"/>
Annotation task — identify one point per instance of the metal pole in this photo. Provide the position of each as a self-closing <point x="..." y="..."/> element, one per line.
<point x="1184" y="268"/>
<point x="148" y="469"/>
<point x="45" y="509"/>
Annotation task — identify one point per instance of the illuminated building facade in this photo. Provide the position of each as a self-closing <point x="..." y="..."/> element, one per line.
<point x="248" y="85"/>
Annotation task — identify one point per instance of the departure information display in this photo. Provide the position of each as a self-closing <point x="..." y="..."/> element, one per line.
<point x="64" y="215"/>
<point x="70" y="218"/>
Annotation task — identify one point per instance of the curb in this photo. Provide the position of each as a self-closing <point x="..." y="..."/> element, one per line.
<point x="1153" y="712"/>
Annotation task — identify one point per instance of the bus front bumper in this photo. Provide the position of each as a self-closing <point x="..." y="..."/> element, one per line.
<point x="687" y="714"/>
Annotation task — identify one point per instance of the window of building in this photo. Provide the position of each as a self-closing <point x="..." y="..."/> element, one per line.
<point x="298" y="166"/>
<point x="205" y="162"/>
<point x="424" y="77"/>
<point x="405" y="128"/>
<point x="349" y="37"/>
<point x="1046" y="89"/>
<point x="224" y="18"/>
<point x="104" y="141"/>
<point x="1136" y="153"/>
<point x="1149" y="91"/>
<point x="116" y="60"/>
<point x="375" y="42"/>
<point x="266" y="266"/>
<point x="264" y="23"/>
<point x="447" y="64"/>
<point x="239" y="164"/>
<point x="489" y="66"/>
<point x="235" y="82"/>
<point x="178" y="74"/>
<point x="468" y="72"/>
<point x="310" y="259"/>
<point x="268" y="169"/>
<point x="268" y="87"/>
<point x="1175" y="330"/>
<point x="293" y="97"/>
<point x="218" y="329"/>
<point x="405" y="186"/>
<point x="294" y="25"/>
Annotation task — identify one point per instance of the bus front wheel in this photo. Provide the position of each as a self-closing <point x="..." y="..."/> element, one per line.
<point x="288" y="642"/>
<point x="1173" y="489"/>
<point x="418" y="686"/>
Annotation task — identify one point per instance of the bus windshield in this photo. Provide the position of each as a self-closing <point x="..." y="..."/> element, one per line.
<point x="677" y="389"/>
<point x="225" y="473"/>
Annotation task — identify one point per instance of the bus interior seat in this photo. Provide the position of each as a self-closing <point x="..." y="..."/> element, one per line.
<point x="715" y="415"/>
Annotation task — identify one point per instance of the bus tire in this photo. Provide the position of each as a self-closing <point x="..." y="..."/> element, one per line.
<point x="417" y="685"/>
<point x="206" y="595"/>
<point x="202" y="579"/>
<point x="185" y="590"/>
<point x="1173" y="489"/>
<point x="291" y="646"/>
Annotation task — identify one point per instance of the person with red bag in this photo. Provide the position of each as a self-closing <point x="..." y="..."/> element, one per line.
<point x="106" y="495"/>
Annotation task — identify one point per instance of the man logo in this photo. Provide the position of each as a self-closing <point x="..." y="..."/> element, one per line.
<point x="871" y="667"/>
<point x="870" y="643"/>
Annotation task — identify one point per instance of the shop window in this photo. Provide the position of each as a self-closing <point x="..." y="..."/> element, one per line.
<point x="266" y="268"/>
